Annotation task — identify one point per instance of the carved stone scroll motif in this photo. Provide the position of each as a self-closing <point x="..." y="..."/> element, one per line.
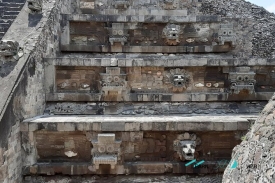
<point x="106" y="150"/>
<point x="242" y="80"/>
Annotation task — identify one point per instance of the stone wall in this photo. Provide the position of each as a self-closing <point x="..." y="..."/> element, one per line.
<point x="253" y="160"/>
<point x="9" y="9"/>
<point x="22" y="95"/>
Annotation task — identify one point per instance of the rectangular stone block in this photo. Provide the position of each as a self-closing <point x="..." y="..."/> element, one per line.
<point x="196" y="126"/>
<point x="33" y="127"/>
<point x="171" y="126"/>
<point x="146" y="126"/>
<point x="230" y="126"/>
<point x="106" y="138"/>
<point x="218" y="126"/>
<point x="96" y="126"/>
<point x="60" y="127"/>
<point x="69" y="127"/>
<point x="159" y="126"/>
<point x="113" y="126"/>
<point x="132" y="126"/>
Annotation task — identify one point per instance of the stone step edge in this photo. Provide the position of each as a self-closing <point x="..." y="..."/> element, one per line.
<point x="134" y="123"/>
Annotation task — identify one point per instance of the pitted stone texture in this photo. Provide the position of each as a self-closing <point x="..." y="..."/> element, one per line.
<point x="124" y="179"/>
<point x="259" y="20"/>
<point x="255" y="156"/>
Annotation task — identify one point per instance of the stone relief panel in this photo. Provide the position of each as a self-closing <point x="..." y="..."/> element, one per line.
<point x="126" y="5"/>
<point x="159" y="108"/>
<point x="177" y="147"/>
<point x="158" y="83"/>
<point x="106" y="150"/>
<point x="65" y="146"/>
<point x="80" y="79"/>
<point x="88" y="33"/>
<point x="151" y="37"/>
<point x="154" y="79"/>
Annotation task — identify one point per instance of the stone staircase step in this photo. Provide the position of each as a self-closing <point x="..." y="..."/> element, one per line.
<point x="11" y="13"/>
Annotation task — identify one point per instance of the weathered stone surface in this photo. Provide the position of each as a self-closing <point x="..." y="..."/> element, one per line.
<point x="141" y="78"/>
<point x="256" y="153"/>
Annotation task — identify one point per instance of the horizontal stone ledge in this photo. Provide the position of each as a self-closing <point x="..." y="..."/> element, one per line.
<point x="70" y="168"/>
<point x="134" y="123"/>
<point x="169" y="97"/>
<point x="158" y="60"/>
<point x="142" y="18"/>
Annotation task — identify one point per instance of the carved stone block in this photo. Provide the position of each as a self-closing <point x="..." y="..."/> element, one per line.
<point x="106" y="150"/>
<point x="113" y="84"/>
<point x="242" y="80"/>
<point x="226" y="34"/>
<point x="118" y="34"/>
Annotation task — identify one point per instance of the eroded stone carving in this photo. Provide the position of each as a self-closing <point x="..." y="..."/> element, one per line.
<point x="226" y="35"/>
<point x="121" y="4"/>
<point x="179" y="79"/>
<point x="172" y="34"/>
<point x="242" y="80"/>
<point x="10" y="50"/>
<point x="35" y="5"/>
<point x="185" y="145"/>
<point x="118" y="34"/>
<point x="106" y="150"/>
